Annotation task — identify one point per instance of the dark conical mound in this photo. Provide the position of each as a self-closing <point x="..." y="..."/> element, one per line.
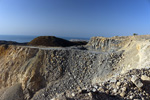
<point x="50" y="41"/>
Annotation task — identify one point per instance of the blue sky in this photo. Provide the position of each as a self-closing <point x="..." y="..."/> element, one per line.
<point x="75" y="18"/>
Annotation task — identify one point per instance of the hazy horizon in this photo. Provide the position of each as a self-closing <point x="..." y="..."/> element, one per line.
<point x="75" y="18"/>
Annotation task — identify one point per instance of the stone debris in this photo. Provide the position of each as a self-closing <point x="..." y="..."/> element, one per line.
<point x="116" y="68"/>
<point x="128" y="88"/>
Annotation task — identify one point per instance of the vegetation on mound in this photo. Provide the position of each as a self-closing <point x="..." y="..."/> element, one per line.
<point x="53" y="41"/>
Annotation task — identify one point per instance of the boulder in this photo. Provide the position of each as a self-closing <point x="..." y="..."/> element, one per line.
<point x="145" y="78"/>
<point x="13" y="93"/>
<point x="136" y="81"/>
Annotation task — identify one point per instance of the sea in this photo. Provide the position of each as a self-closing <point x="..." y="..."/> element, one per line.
<point x="28" y="38"/>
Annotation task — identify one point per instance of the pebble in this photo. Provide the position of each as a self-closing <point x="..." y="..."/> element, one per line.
<point x="115" y="90"/>
<point x="73" y="94"/>
<point x="118" y="83"/>
<point x="53" y="99"/>
<point x="95" y="86"/>
<point x="94" y="90"/>
<point x="124" y="89"/>
<point x="113" y="80"/>
<point x="100" y="89"/>
<point x="145" y="78"/>
<point x="90" y="94"/>
<point x="43" y="95"/>
<point x="118" y="87"/>
<point x="122" y="94"/>
<point x="107" y="91"/>
<point x="131" y="97"/>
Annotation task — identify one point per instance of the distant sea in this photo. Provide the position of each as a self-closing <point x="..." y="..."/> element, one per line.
<point x="28" y="38"/>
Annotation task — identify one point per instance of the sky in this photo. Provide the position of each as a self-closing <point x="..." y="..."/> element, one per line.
<point x="75" y="18"/>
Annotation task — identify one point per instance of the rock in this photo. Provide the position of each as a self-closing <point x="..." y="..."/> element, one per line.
<point x="54" y="99"/>
<point x="122" y="94"/>
<point x="114" y="90"/>
<point x="14" y="92"/>
<point x="107" y="91"/>
<point x="103" y="44"/>
<point x="96" y="86"/>
<point x="90" y="94"/>
<point x="134" y="78"/>
<point x="100" y="89"/>
<point x="118" y="83"/>
<point x="94" y="90"/>
<point x="145" y="78"/>
<point x="73" y="94"/>
<point x="113" y="80"/>
<point x="123" y="89"/>
<point x="60" y="97"/>
<point x="131" y="97"/>
<point x="136" y="81"/>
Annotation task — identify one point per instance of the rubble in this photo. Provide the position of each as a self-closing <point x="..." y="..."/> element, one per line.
<point x="115" y="68"/>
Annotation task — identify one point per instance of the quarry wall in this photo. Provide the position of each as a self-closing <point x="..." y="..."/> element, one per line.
<point x="33" y="71"/>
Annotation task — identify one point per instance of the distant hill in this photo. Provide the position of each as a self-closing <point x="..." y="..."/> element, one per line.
<point x="11" y="43"/>
<point x="53" y="41"/>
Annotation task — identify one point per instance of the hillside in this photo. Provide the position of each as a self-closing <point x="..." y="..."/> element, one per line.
<point x="107" y="69"/>
<point x="53" y="41"/>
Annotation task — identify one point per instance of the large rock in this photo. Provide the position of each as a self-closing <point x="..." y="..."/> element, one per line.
<point x="145" y="78"/>
<point x="136" y="81"/>
<point x="14" y="92"/>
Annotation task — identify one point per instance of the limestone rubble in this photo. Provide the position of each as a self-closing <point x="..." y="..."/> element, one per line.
<point x="116" y="68"/>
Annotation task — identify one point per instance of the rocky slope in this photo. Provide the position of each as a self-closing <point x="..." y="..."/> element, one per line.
<point x="104" y="69"/>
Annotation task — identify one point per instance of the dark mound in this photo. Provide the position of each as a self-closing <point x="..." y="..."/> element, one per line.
<point x="11" y="43"/>
<point x="50" y="41"/>
<point x="80" y="42"/>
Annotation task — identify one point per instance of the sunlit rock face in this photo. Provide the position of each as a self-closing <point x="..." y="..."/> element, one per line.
<point x="39" y="73"/>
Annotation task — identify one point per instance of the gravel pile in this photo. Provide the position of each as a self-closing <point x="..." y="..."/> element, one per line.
<point x="133" y="85"/>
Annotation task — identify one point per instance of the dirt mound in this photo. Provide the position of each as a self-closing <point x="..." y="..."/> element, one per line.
<point x="50" y="41"/>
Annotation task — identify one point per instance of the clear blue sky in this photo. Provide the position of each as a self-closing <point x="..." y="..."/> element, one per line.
<point x="75" y="18"/>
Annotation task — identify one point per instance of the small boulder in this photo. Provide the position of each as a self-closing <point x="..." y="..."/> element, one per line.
<point x="145" y="78"/>
<point x="136" y="81"/>
<point x="14" y="92"/>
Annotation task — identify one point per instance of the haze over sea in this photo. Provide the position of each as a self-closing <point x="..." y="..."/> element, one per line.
<point x="28" y="38"/>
